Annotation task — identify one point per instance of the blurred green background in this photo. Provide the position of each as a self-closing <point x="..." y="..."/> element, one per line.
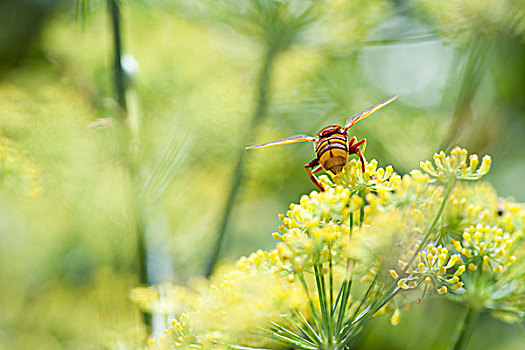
<point x="83" y="188"/>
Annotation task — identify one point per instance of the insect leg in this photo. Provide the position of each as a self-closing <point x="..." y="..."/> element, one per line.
<point x="361" y="158"/>
<point x="317" y="169"/>
<point x="312" y="164"/>
<point x="362" y="142"/>
<point x="358" y="151"/>
<point x="351" y="142"/>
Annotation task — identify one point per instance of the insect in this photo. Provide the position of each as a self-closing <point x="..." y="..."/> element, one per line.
<point x="331" y="145"/>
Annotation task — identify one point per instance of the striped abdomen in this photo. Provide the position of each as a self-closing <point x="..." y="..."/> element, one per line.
<point x="331" y="148"/>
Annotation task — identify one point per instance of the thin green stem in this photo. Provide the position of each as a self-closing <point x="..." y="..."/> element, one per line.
<point x="292" y="342"/>
<point x="430" y="229"/>
<point x="465" y="331"/>
<point x="331" y="291"/>
<point x="351" y="222"/>
<point x="240" y="347"/>
<point x="342" y="310"/>
<point x="346" y="286"/>
<point x="319" y="280"/>
<point x="363" y="300"/>
<point x="331" y="280"/>
<point x="118" y="72"/>
<point x="287" y="333"/>
<point x="362" y="215"/>
<point x="307" y="328"/>
<point x="137" y="202"/>
<point x="339" y="298"/>
<point x="366" y="315"/>
<point x="311" y="303"/>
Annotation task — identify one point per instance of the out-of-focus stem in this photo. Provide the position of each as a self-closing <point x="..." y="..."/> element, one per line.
<point x="261" y="107"/>
<point x="466" y="328"/>
<point x="133" y="124"/>
<point x="129" y="107"/>
<point x="118" y="73"/>
<point x="472" y="75"/>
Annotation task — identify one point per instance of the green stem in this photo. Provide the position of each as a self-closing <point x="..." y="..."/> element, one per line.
<point x="311" y="304"/>
<point x="331" y="281"/>
<point x="345" y="287"/>
<point x="362" y="214"/>
<point x="365" y="316"/>
<point x="118" y="76"/>
<point x="319" y="279"/>
<point x="351" y="223"/>
<point x="138" y="202"/>
<point x="356" y="314"/>
<point x="347" y="283"/>
<point x="306" y="328"/>
<point x="331" y="301"/>
<point x="466" y="328"/>
<point x="260" y="110"/>
<point x="133" y="117"/>
<point x="430" y="229"/>
<point x="473" y="70"/>
<point x="287" y="333"/>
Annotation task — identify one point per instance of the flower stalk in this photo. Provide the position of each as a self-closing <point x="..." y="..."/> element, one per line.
<point x="465" y="330"/>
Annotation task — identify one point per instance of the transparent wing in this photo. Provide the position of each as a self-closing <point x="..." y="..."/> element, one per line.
<point x="285" y="141"/>
<point x="361" y="115"/>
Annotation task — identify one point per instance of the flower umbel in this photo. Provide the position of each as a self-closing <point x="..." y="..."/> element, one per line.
<point x="456" y="166"/>
<point x="434" y="268"/>
<point x="487" y="247"/>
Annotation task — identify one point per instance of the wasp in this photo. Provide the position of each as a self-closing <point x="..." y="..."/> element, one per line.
<point x="331" y="145"/>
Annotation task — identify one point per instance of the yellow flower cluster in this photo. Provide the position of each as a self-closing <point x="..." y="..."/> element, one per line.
<point x="456" y="166"/>
<point x="488" y="247"/>
<point x="382" y="240"/>
<point x="510" y="216"/>
<point x="316" y="228"/>
<point x="470" y="204"/>
<point x="435" y="267"/>
<point x="179" y="335"/>
<point x="319" y="227"/>
<point x="229" y="309"/>
<point x="356" y="231"/>
<point x="373" y="178"/>
<point x="260" y="261"/>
